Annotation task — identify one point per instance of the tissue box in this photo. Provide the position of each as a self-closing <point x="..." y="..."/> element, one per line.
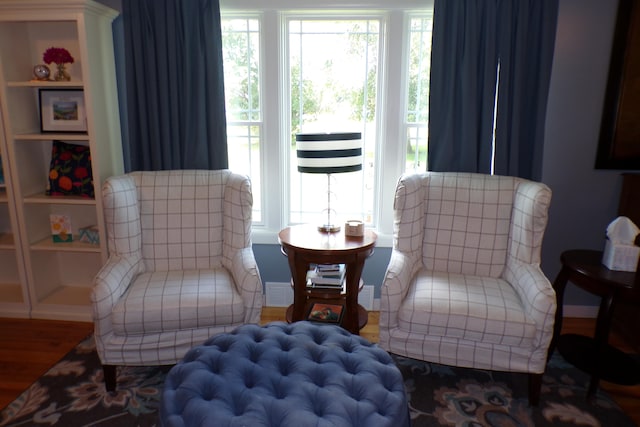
<point x="620" y="257"/>
<point x="89" y="235"/>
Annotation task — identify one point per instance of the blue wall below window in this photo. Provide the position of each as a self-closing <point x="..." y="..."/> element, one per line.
<point x="274" y="267"/>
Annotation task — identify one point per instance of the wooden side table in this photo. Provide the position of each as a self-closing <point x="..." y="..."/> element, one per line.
<point x="304" y="245"/>
<point x="584" y="268"/>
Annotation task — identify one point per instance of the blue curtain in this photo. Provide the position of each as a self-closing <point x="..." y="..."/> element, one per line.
<point x="173" y="80"/>
<point x="490" y="56"/>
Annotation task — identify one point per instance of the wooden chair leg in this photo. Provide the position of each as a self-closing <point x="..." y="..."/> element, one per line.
<point x="109" y="377"/>
<point x="535" y="384"/>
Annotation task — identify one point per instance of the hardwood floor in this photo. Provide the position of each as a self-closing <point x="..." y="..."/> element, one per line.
<point x="30" y="347"/>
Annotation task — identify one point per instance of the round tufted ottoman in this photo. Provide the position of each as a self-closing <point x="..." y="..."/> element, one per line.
<point x="299" y="374"/>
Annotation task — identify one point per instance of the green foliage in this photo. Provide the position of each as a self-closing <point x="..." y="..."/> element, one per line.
<point x="364" y="100"/>
<point x="304" y="99"/>
<point x="241" y="59"/>
<point x="419" y="70"/>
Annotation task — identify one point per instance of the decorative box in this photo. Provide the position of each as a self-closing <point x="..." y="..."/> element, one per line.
<point x="354" y="228"/>
<point x="61" y="228"/>
<point x="89" y="234"/>
<point x="620" y="257"/>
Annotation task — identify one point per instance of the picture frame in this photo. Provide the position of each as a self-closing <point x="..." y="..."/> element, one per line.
<point x="62" y="110"/>
<point x="619" y="143"/>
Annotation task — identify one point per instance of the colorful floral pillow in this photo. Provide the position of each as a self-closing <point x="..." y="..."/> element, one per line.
<point x="70" y="171"/>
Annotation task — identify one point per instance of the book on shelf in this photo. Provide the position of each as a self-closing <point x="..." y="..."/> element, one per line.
<point x="319" y="276"/>
<point x="326" y="287"/>
<point x="329" y="268"/>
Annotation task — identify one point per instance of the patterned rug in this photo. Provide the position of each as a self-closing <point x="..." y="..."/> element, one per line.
<point x="72" y="394"/>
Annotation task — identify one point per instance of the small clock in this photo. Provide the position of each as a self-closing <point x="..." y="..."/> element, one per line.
<point x="41" y="72"/>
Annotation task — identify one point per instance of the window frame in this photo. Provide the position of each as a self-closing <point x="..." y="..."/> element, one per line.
<point x="391" y="144"/>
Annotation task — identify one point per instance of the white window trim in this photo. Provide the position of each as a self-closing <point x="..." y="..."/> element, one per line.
<point x="391" y="147"/>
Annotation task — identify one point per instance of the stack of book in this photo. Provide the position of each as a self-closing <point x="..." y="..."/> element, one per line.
<point x="330" y="276"/>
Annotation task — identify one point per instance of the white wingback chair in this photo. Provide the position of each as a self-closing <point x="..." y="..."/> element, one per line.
<point x="181" y="267"/>
<point x="464" y="285"/>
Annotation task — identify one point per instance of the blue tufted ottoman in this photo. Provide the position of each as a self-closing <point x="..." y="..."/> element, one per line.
<point x="299" y="374"/>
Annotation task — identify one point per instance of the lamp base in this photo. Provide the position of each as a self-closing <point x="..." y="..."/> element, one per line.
<point x="328" y="228"/>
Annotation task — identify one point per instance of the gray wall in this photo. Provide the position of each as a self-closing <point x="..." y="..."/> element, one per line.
<point x="584" y="199"/>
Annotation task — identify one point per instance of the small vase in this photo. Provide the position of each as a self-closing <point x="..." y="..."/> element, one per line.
<point x="61" y="75"/>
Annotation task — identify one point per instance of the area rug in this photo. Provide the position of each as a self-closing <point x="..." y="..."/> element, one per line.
<point x="72" y="394"/>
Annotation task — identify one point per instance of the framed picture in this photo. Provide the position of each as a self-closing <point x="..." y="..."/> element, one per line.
<point x="619" y="144"/>
<point x="62" y="110"/>
<point x="320" y="312"/>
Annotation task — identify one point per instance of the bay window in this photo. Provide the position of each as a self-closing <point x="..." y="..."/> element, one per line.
<point x="292" y="68"/>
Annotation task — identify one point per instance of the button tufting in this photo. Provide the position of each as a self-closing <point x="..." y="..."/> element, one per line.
<point x="285" y="369"/>
<point x="350" y="365"/>
<point x="316" y="354"/>
<point x="249" y="382"/>
<point x="285" y="375"/>
<point x="254" y="354"/>
<point x="259" y="336"/>
<point x="285" y="345"/>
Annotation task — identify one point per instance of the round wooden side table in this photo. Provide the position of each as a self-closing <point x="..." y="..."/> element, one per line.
<point x="305" y="245"/>
<point x="594" y="355"/>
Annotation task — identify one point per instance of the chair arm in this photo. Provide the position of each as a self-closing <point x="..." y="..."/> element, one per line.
<point x="110" y="284"/>
<point x="536" y="294"/>
<point x="529" y="221"/>
<point x="397" y="279"/>
<point x="246" y="276"/>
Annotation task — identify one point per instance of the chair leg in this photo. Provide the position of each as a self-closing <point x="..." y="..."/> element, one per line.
<point x="109" y="372"/>
<point x="535" y="384"/>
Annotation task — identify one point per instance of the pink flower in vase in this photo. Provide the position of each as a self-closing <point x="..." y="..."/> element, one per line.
<point x="60" y="56"/>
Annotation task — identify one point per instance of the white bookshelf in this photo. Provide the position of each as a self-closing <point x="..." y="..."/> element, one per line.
<point x="53" y="279"/>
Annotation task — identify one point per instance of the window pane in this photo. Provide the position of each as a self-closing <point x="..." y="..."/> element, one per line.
<point x="333" y="72"/>
<point x="240" y="47"/>
<point x="417" y="114"/>
<point x="416" y="148"/>
<point x="243" y="146"/>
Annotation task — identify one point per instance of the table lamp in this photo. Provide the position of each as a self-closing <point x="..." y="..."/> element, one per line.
<point x="329" y="153"/>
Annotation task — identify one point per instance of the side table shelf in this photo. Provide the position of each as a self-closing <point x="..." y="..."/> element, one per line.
<point x="304" y="245"/>
<point x="363" y="316"/>
<point x="612" y="364"/>
<point x="595" y="355"/>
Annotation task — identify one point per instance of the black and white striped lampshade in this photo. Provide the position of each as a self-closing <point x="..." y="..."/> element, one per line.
<point x="329" y="152"/>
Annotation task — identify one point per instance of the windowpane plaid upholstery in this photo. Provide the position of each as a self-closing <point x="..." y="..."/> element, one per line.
<point x="181" y="267"/>
<point x="164" y="301"/>
<point x="464" y="285"/>
<point x="468" y="307"/>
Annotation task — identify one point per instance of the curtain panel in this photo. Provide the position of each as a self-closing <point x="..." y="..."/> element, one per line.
<point x="174" y="85"/>
<point x="490" y="71"/>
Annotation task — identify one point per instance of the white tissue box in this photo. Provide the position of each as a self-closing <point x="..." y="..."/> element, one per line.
<point x="620" y="257"/>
